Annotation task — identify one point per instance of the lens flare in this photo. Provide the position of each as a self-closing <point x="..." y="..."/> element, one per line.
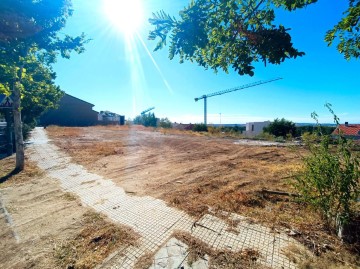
<point x="127" y="16"/>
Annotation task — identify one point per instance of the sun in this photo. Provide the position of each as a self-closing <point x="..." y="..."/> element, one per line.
<point x="127" y="16"/>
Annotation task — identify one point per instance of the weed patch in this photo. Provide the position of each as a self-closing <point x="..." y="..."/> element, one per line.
<point x="145" y="261"/>
<point x="8" y="178"/>
<point x="223" y="259"/>
<point x="94" y="243"/>
<point x="329" y="260"/>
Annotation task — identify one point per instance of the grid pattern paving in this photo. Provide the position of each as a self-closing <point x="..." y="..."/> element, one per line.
<point x="152" y="218"/>
<point x="174" y="254"/>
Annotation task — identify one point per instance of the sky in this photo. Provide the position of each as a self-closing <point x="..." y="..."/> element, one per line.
<point x="120" y="72"/>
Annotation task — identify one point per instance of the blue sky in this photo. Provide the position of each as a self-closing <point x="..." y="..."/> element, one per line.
<point x="122" y="73"/>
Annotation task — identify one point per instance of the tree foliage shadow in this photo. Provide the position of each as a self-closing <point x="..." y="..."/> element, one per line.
<point x="9" y="175"/>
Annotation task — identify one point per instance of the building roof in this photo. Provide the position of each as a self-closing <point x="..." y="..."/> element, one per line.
<point x="348" y="129"/>
<point x="78" y="99"/>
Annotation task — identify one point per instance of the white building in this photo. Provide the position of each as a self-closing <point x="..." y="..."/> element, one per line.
<point x="255" y="128"/>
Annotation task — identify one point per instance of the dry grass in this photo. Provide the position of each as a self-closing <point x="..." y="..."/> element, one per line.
<point x="86" y="151"/>
<point x="145" y="261"/>
<point x="93" y="243"/>
<point x="329" y="260"/>
<point x="93" y="238"/>
<point x="68" y="132"/>
<point x="219" y="259"/>
<point x="68" y="196"/>
<point x="9" y="178"/>
<point x="202" y="173"/>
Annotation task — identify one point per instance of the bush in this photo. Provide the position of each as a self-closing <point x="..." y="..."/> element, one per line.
<point x="214" y="130"/>
<point x="27" y="128"/>
<point x="281" y="128"/>
<point x="264" y="136"/>
<point x="280" y="139"/>
<point x="165" y="123"/>
<point x="330" y="178"/>
<point x="200" y="127"/>
<point x="300" y="130"/>
<point x="148" y="120"/>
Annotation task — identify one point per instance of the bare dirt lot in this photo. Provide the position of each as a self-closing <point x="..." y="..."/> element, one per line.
<point x="43" y="227"/>
<point x="196" y="172"/>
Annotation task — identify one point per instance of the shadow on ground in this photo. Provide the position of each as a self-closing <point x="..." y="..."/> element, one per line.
<point x="9" y="175"/>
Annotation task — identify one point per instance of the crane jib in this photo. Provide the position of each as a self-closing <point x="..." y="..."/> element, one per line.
<point x="205" y="96"/>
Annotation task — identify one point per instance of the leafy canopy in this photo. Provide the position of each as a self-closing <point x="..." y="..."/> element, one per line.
<point x="347" y="32"/>
<point x="148" y="120"/>
<point x="165" y="123"/>
<point x="30" y="40"/>
<point x="281" y="127"/>
<point x="223" y="34"/>
<point x="30" y="35"/>
<point x="29" y="43"/>
<point x="26" y="24"/>
<point x="38" y="91"/>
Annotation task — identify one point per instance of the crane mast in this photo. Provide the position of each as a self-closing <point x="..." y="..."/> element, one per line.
<point x="205" y="96"/>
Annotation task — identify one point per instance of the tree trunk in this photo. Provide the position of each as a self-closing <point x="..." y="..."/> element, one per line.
<point x="19" y="141"/>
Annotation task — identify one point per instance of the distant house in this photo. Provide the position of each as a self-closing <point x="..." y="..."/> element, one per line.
<point x="71" y="112"/>
<point x="348" y="130"/>
<point x="107" y="117"/>
<point x="182" y="126"/>
<point x="255" y="128"/>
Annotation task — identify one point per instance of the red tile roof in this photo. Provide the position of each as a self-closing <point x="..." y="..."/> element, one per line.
<point x="348" y="129"/>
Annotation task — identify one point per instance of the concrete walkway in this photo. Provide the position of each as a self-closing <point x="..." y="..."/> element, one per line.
<point x="152" y="218"/>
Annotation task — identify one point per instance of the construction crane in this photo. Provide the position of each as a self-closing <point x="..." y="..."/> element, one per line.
<point x="147" y="110"/>
<point x="230" y="90"/>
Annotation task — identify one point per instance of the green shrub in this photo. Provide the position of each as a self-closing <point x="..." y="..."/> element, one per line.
<point x="27" y="128"/>
<point x="214" y="130"/>
<point x="300" y="130"/>
<point x="165" y="123"/>
<point x="200" y="127"/>
<point x="148" y="120"/>
<point x="330" y="178"/>
<point x="281" y="127"/>
<point x="264" y="136"/>
<point x="280" y="139"/>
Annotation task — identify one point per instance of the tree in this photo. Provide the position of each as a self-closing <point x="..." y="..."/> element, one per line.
<point x="281" y="128"/>
<point x="38" y="93"/>
<point x="165" y="123"/>
<point x="200" y="127"/>
<point x="219" y="34"/>
<point x="148" y="120"/>
<point x="347" y="31"/>
<point x="30" y="29"/>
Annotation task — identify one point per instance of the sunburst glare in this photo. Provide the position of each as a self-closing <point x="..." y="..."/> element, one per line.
<point x="126" y="16"/>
